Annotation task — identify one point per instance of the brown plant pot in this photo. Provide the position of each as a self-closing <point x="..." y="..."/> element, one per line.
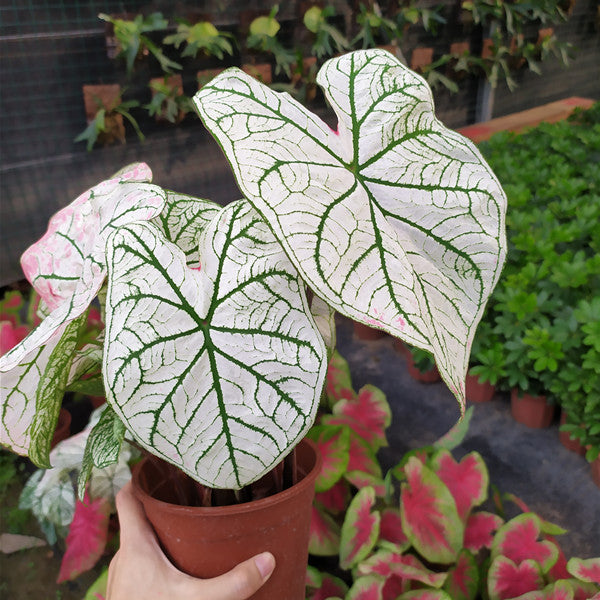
<point x="260" y="71"/>
<point x="478" y="391"/>
<point x="109" y="96"/>
<point x="572" y="444"/>
<point x="209" y="541"/>
<point x="431" y="376"/>
<point x="63" y="427"/>
<point x="595" y="469"/>
<point x="532" y="411"/>
<point x="364" y="332"/>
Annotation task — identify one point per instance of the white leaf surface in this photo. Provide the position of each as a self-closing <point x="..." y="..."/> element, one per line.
<point x="218" y="371"/>
<point x="393" y="219"/>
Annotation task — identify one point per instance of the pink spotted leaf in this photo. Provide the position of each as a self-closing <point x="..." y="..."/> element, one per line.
<point x="518" y="540"/>
<point x="462" y="582"/>
<point x="508" y="580"/>
<point x="467" y="480"/>
<point x="429" y="515"/>
<point x="334" y="445"/>
<point x="585" y="569"/>
<point x="360" y="529"/>
<point x="324" y="535"/>
<point x="86" y="539"/>
<point x="480" y="529"/>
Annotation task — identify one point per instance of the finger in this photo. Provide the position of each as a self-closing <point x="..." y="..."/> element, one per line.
<point x="135" y="529"/>
<point x="242" y="581"/>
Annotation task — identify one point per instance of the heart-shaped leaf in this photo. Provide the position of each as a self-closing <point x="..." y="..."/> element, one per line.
<point x="336" y="499"/>
<point x="227" y="376"/>
<point x="368" y="415"/>
<point x="467" y="480"/>
<point x="585" y="569"/>
<point x="391" y="219"/>
<point x="390" y="530"/>
<point x="518" y="540"/>
<point x="429" y="516"/>
<point x="339" y="380"/>
<point x="480" y="529"/>
<point x="508" y="580"/>
<point x="360" y="529"/>
<point x="561" y="590"/>
<point x="362" y="457"/>
<point x="329" y="587"/>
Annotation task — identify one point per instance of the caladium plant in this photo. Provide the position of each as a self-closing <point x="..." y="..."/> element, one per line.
<point x="433" y="540"/>
<point x="213" y="358"/>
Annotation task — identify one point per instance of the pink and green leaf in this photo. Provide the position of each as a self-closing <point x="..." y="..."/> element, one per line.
<point x="395" y="586"/>
<point x="334" y="445"/>
<point x="559" y="570"/>
<point x="324" y="535"/>
<point x="545" y="526"/>
<point x="360" y="529"/>
<point x="329" y="587"/>
<point x="518" y="540"/>
<point x="408" y="567"/>
<point x="368" y="415"/>
<point x="480" y="529"/>
<point x="339" y="380"/>
<point x="10" y="307"/>
<point x="587" y="570"/>
<point x="508" y="580"/>
<point x="560" y="590"/>
<point x="455" y="436"/>
<point x="425" y="595"/>
<point x="97" y="591"/>
<point x="87" y="537"/>
<point x="390" y="529"/>
<point x="362" y="457"/>
<point x="462" y="582"/>
<point x="336" y="499"/>
<point x="314" y="577"/>
<point x="360" y="479"/>
<point x="429" y="515"/>
<point x="11" y="335"/>
<point x="467" y="480"/>
<point x="366" y="588"/>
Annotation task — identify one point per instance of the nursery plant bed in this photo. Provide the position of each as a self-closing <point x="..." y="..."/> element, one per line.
<point x="517" y="122"/>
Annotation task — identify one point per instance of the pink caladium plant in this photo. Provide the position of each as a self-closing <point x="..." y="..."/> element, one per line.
<point x="433" y="540"/>
<point x="213" y="355"/>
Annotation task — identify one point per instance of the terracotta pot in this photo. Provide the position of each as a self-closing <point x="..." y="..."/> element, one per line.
<point x="431" y="376"/>
<point x="478" y="391"/>
<point x="533" y="411"/>
<point x="209" y="541"/>
<point x="595" y="468"/>
<point x="364" y="332"/>
<point x="63" y="427"/>
<point x="567" y="441"/>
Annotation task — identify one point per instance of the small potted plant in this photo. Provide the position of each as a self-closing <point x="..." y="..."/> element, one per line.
<point x="169" y="103"/>
<point x="212" y="358"/>
<point x="421" y="365"/>
<point x="487" y="364"/>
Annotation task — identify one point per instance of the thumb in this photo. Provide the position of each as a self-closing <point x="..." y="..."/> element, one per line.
<point x="242" y="581"/>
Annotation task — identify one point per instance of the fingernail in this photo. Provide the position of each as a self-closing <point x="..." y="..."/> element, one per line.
<point x="265" y="563"/>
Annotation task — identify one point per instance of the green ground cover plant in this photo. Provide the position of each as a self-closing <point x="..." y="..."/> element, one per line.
<point x="543" y="320"/>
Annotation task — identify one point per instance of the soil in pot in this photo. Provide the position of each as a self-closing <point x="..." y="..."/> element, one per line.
<point x="209" y="541"/>
<point x="478" y="391"/>
<point x="572" y="444"/>
<point x="532" y="411"/>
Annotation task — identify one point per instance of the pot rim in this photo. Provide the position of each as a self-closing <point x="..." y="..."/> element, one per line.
<point x="245" y="507"/>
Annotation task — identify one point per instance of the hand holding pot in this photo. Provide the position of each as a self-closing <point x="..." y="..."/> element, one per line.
<point x="141" y="571"/>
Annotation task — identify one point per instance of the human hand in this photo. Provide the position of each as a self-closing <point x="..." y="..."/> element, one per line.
<point x="141" y="571"/>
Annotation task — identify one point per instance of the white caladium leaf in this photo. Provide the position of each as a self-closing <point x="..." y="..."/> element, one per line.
<point x="324" y="317"/>
<point x="393" y="219"/>
<point x="183" y="219"/>
<point x="227" y="376"/>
